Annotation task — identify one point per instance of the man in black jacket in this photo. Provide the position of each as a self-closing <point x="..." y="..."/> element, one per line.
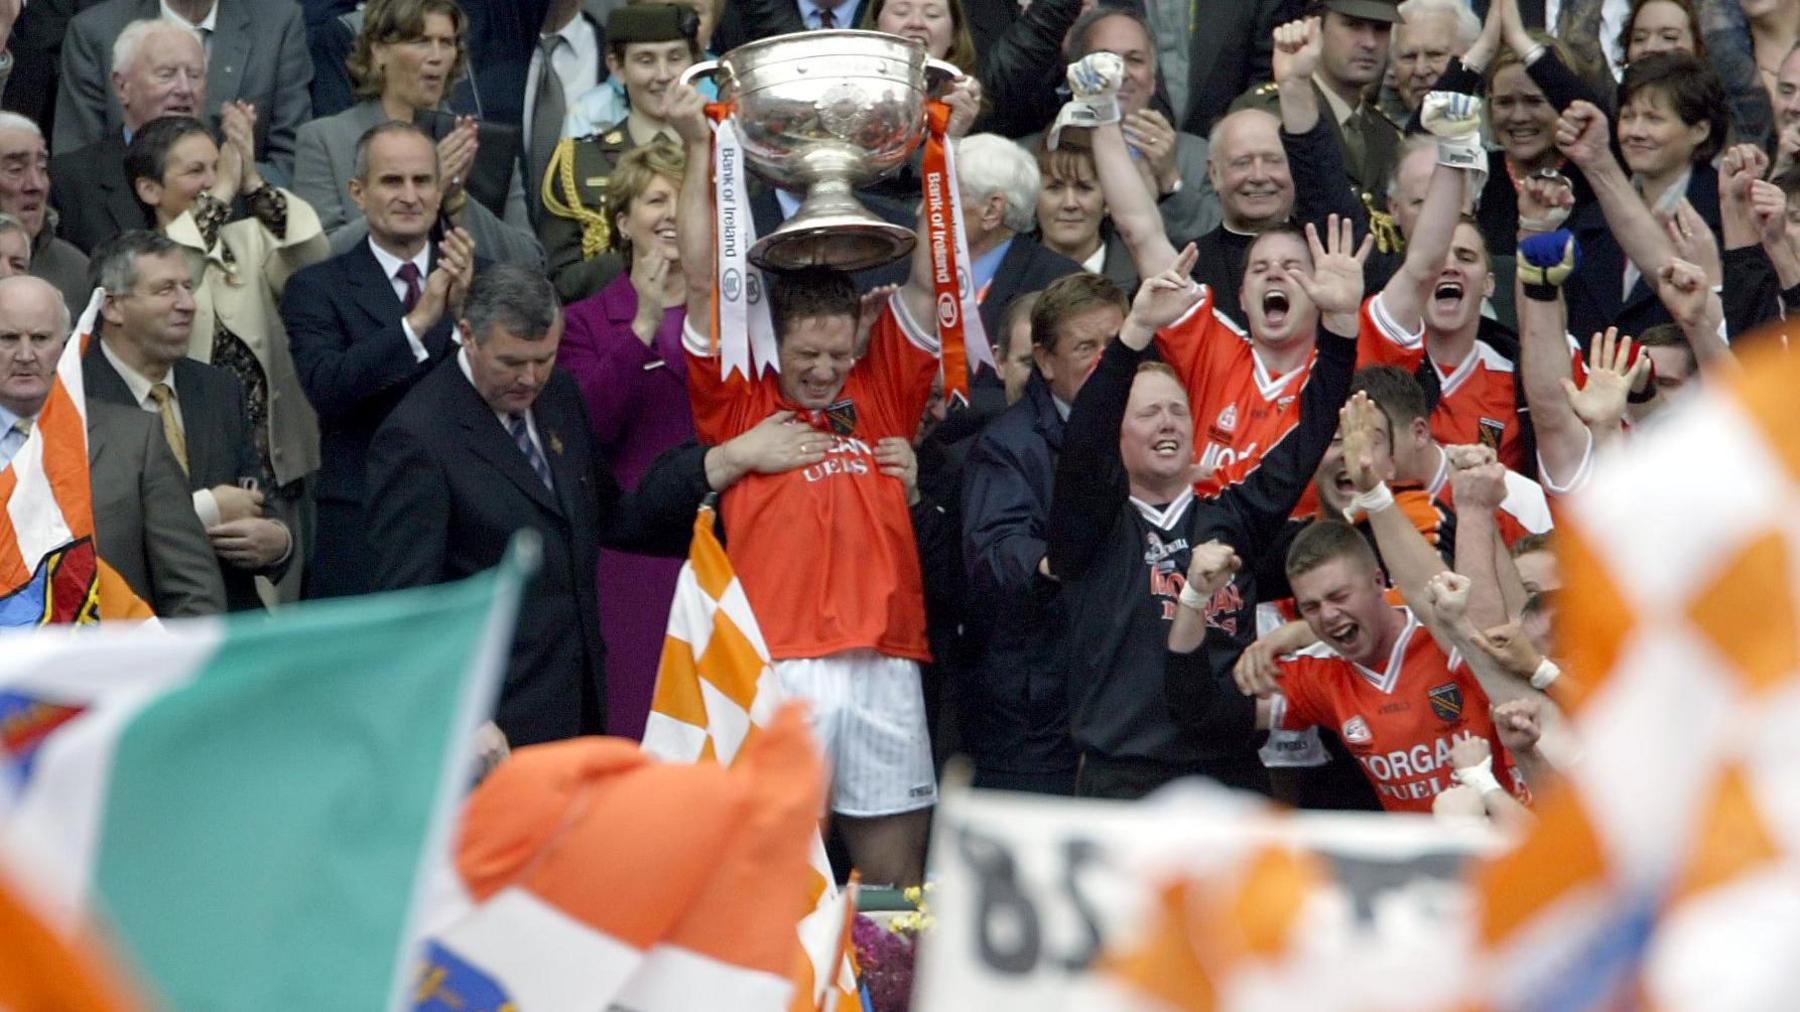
<point x="364" y="327"/>
<point x="1017" y="703"/>
<point x="1133" y="546"/>
<point x="495" y="441"/>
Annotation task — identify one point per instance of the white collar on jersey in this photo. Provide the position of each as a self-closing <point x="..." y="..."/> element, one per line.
<point x="1388" y="679"/>
<point x="1165" y="517"/>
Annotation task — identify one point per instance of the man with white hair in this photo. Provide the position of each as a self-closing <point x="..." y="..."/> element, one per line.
<point x="25" y="194"/>
<point x="1431" y="32"/>
<point x="999" y="184"/>
<point x="254" y="53"/>
<point x="158" y="69"/>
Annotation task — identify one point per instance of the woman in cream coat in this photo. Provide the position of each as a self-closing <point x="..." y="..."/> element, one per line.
<point x="188" y="183"/>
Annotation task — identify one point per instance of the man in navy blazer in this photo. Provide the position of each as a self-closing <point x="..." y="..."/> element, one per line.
<point x="496" y="440"/>
<point x="364" y="327"/>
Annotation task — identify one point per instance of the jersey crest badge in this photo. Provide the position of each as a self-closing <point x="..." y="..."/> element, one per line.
<point x="1490" y="432"/>
<point x="1356" y="731"/>
<point x="841" y="417"/>
<point x="1447" y="701"/>
<point x="1227" y="419"/>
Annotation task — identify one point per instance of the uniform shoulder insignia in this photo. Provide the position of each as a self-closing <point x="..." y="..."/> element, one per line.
<point x="1268" y="88"/>
<point x="614" y="137"/>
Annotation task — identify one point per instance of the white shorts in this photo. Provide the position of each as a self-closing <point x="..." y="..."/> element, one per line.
<point x="868" y="713"/>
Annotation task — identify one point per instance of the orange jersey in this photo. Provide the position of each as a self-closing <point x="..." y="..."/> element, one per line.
<point x="826" y="553"/>
<point x="1525" y="510"/>
<point x="1239" y="408"/>
<point x="1399" y="723"/>
<point x="1477" y="398"/>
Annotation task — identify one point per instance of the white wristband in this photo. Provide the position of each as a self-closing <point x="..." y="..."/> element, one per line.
<point x="1546" y="674"/>
<point x="1191" y="598"/>
<point x="1373" y="501"/>
<point x="1479" y="776"/>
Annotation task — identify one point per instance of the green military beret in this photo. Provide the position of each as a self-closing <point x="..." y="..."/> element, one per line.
<point x="652" y="23"/>
<point x="1371" y="10"/>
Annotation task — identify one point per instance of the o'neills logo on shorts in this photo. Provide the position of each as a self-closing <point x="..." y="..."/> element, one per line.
<point x="1356" y="731"/>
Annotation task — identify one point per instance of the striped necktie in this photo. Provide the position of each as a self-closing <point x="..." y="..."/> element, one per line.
<point x="521" y="433"/>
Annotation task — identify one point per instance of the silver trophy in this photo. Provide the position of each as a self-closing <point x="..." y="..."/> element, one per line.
<point x="822" y="113"/>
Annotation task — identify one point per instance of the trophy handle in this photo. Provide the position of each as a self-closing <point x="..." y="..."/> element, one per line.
<point x="950" y="71"/>
<point x="705" y="68"/>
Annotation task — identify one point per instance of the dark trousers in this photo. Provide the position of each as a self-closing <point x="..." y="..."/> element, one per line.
<point x="1056" y="782"/>
<point x="1131" y="779"/>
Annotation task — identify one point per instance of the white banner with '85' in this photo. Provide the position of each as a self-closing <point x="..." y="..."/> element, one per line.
<point x="1038" y="900"/>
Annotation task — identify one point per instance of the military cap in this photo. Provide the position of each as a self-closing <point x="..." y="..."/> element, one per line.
<point x="652" y="23"/>
<point x="1370" y="10"/>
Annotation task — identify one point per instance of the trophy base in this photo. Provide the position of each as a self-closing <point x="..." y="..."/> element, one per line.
<point x="845" y="241"/>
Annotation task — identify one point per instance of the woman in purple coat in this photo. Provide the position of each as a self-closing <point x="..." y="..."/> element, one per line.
<point x="623" y="345"/>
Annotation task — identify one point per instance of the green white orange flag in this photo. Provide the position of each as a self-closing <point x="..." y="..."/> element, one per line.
<point x="252" y="808"/>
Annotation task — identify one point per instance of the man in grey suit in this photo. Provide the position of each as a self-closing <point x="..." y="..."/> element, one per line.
<point x="255" y="53"/>
<point x="144" y="522"/>
<point x="158" y="69"/>
<point x="140" y="361"/>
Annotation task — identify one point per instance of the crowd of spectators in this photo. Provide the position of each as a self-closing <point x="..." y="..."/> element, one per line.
<point x="1307" y="315"/>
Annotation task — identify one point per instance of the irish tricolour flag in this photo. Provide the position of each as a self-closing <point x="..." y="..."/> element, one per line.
<point x="252" y="809"/>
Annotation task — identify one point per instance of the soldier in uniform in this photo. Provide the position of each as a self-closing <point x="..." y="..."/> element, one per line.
<point x="647" y="48"/>
<point x="1355" y="34"/>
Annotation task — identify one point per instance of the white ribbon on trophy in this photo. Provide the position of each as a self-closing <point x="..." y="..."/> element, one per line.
<point x="746" y="331"/>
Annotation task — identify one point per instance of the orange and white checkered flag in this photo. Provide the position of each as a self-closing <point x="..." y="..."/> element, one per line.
<point x="1666" y="872"/>
<point x="715" y="689"/>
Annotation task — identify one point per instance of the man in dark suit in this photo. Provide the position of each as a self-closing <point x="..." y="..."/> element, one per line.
<point x="141" y="362"/>
<point x="165" y="76"/>
<point x="364" y="327"/>
<point x="749" y="20"/>
<point x="255" y="53"/>
<point x="1015" y="700"/>
<point x="569" y="61"/>
<point x="144" y="523"/>
<point x="496" y="440"/>
<point x="999" y="184"/>
<point x="1212" y="51"/>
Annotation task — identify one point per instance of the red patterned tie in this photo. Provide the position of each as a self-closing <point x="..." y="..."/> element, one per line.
<point x="409" y="275"/>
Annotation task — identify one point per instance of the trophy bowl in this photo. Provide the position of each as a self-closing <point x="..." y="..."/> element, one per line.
<point x="822" y="113"/>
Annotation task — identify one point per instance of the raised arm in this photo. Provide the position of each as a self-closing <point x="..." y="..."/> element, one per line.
<point x="694" y="213"/>
<point x="1582" y="136"/>
<point x="1447" y="594"/>
<point x="1128" y="198"/>
<point x="1263" y="501"/>
<point x="1410" y="561"/>
<point x="1684" y="289"/>
<point x="1612" y="373"/>
<point x="1545" y="261"/>
<point x="1298" y="47"/>
<point x="1315" y="157"/>
<point x="1455" y="119"/>
<point x="1091" y="485"/>
<point x="1479" y="486"/>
